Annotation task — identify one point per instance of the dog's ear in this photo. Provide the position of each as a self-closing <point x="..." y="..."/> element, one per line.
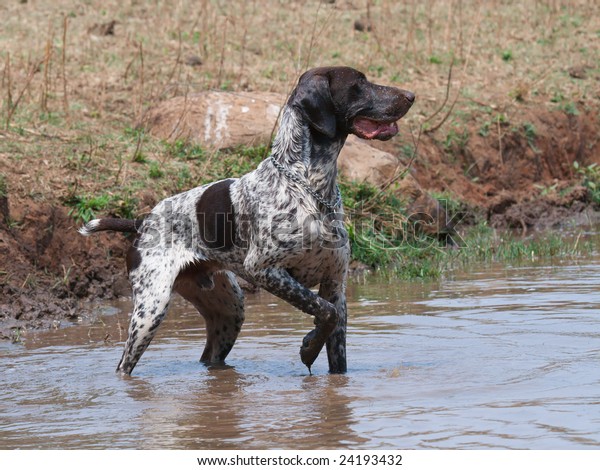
<point x="313" y="98"/>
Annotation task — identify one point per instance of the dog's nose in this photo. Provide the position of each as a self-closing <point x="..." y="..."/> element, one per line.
<point x="409" y="95"/>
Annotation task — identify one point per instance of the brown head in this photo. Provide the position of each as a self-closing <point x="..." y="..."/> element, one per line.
<point x="337" y="101"/>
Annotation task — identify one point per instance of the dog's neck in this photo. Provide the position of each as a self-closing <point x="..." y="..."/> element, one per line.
<point x="308" y="153"/>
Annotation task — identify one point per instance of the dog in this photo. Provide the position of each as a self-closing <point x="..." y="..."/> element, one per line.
<point x="278" y="227"/>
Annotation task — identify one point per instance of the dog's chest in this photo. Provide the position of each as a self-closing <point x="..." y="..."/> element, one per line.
<point x="317" y="265"/>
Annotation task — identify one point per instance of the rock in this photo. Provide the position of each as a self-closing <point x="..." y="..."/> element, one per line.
<point x="103" y="29"/>
<point x="216" y="119"/>
<point x="193" y="60"/>
<point x="424" y="212"/>
<point x="226" y="120"/>
<point x="578" y="71"/>
<point x="362" y="24"/>
<point x="359" y="161"/>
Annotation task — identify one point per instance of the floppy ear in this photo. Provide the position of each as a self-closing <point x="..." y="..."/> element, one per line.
<point x="314" y="101"/>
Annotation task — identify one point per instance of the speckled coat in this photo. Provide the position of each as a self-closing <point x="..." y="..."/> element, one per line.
<point x="273" y="227"/>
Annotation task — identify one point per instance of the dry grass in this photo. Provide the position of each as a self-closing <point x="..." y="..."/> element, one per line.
<point x="68" y="93"/>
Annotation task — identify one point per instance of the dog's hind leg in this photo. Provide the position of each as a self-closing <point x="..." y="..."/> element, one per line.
<point x="152" y="283"/>
<point x="220" y="300"/>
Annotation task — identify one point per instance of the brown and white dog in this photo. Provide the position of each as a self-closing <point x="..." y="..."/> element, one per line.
<point x="278" y="227"/>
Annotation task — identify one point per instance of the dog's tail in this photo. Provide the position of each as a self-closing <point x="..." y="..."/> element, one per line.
<point x="118" y="225"/>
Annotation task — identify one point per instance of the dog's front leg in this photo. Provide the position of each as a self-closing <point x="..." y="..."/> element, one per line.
<point x="280" y="283"/>
<point x="335" y="292"/>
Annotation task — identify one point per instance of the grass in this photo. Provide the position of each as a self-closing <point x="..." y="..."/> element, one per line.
<point x="3" y="186"/>
<point x="86" y="207"/>
<point x="427" y="257"/>
<point x="590" y="179"/>
<point x="382" y="238"/>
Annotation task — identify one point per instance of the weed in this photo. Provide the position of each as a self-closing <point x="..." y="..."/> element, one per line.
<point x="234" y="163"/>
<point x="377" y="70"/>
<point x="155" y="171"/>
<point x="408" y="150"/>
<point x="456" y="139"/>
<point x="507" y="55"/>
<point x="139" y="157"/>
<point x="557" y="97"/>
<point x="546" y="190"/>
<point x="484" y="130"/>
<point x="501" y="119"/>
<point x="569" y="108"/>
<point x="184" y="151"/>
<point x="590" y="179"/>
<point x="531" y="135"/>
<point x="16" y="336"/>
<point x="124" y="205"/>
<point x="184" y="179"/>
<point x="84" y="208"/>
<point x="3" y="186"/>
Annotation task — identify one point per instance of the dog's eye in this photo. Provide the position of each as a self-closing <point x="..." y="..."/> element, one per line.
<point x="353" y="91"/>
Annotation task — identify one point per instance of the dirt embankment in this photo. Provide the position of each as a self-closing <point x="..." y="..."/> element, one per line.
<point x="519" y="175"/>
<point x="516" y="176"/>
<point x="47" y="269"/>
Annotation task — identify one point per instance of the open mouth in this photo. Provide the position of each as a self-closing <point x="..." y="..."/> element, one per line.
<point x="366" y="128"/>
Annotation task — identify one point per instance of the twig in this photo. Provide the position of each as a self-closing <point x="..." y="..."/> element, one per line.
<point x="6" y="78"/>
<point x="303" y="69"/>
<point x="183" y="113"/>
<point x="141" y="96"/>
<point x="413" y="157"/>
<point x="312" y="36"/>
<point x="64" y="73"/>
<point x="500" y="140"/>
<point x="175" y="65"/>
<point x="386" y="51"/>
<point x="448" y="82"/>
<point x="222" y="58"/>
<point x="48" y="55"/>
<point x="467" y="57"/>
<point x="13" y="106"/>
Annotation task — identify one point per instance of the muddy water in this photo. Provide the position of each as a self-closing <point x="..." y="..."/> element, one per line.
<point x="497" y="358"/>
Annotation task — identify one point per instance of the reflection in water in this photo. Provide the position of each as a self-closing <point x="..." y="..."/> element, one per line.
<point x="503" y="358"/>
<point x="234" y="410"/>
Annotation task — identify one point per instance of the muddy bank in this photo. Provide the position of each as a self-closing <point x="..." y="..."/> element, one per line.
<point x="49" y="272"/>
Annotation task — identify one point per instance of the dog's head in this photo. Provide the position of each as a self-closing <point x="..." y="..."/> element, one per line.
<point x="337" y="101"/>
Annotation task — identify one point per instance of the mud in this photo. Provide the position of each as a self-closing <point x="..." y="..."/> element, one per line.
<point x="48" y="273"/>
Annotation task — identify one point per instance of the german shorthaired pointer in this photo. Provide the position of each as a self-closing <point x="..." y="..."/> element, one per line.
<point x="278" y="227"/>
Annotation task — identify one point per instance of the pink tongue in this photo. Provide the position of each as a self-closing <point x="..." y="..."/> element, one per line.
<point x="371" y="129"/>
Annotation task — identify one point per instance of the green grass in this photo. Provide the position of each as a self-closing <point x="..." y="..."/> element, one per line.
<point x="3" y="186"/>
<point x="86" y="207"/>
<point x="590" y="179"/>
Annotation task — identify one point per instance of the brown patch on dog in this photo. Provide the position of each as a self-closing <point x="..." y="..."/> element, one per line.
<point x="199" y="274"/>
<point x="133" y="258"/>
<point x="215" y="216"/>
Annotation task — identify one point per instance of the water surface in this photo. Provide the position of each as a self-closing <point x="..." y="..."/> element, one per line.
<point x="502" y="357"/>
